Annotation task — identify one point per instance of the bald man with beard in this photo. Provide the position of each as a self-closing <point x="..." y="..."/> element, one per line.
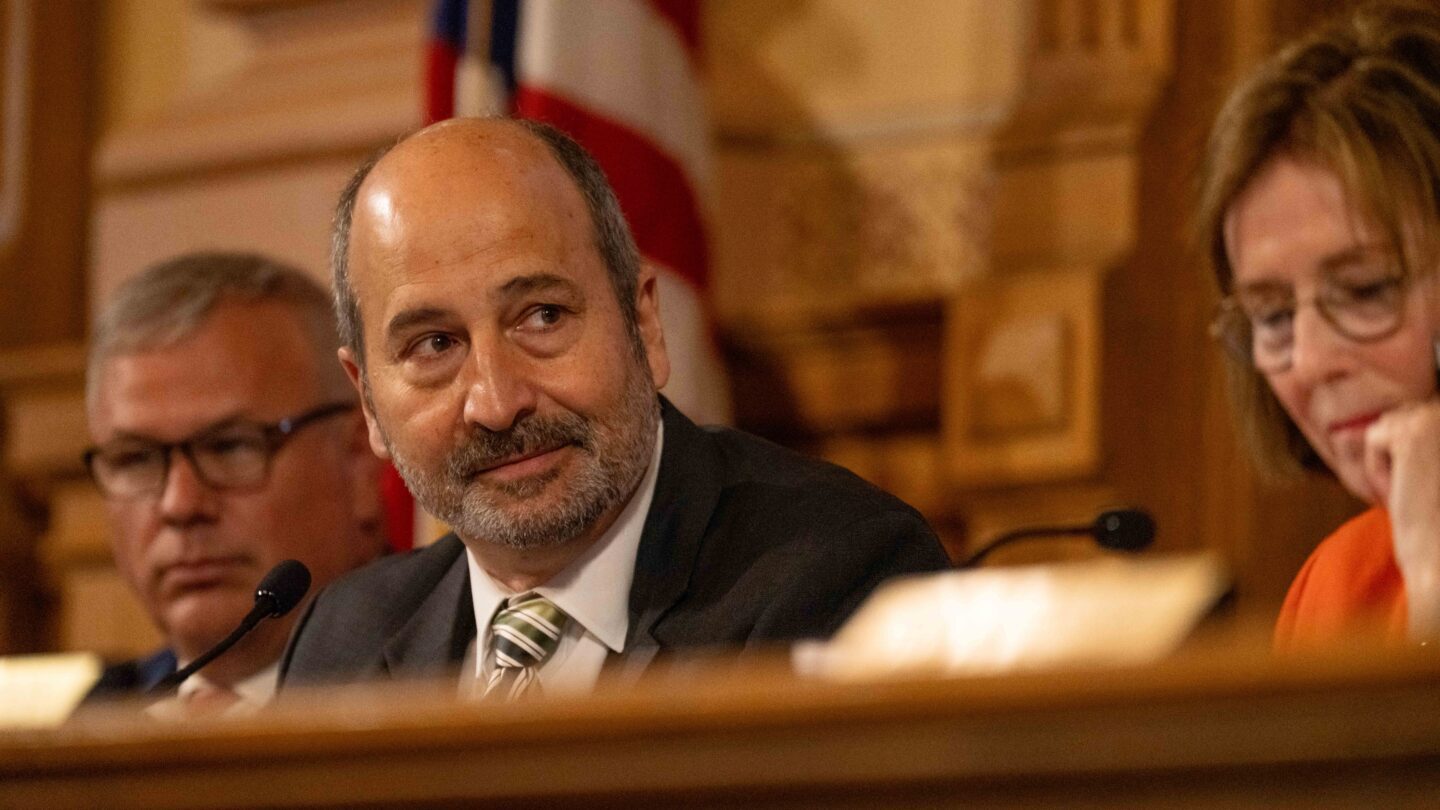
<point x="506" y="343"/>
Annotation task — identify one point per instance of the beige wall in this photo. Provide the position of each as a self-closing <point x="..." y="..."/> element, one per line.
<point x="141" y="43"/>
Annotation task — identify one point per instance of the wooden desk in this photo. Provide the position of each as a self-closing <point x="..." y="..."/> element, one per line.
<point x="1218" y="730"/>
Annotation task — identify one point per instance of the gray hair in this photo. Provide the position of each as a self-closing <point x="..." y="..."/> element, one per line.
<point x="170" y="300"/>
<point x="612" y="235"/>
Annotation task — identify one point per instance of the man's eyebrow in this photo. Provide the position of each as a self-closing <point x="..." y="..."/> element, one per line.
<point x="536" y="282"/>
<point x="407" y="318"/>
<point x="222" y="423"/>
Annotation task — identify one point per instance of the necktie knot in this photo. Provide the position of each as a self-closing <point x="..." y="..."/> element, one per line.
<point x="522" y="636"/>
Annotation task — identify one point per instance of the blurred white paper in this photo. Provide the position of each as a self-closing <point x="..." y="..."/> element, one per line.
<point x="40" y="691"/>
<point x="1112" y="611"/>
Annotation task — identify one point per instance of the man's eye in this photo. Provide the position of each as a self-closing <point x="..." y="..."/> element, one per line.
<point x="545" y="316"/>
<point x="229" y="445"/>
<point x="431" y="345"/>
<point x="131" y="457"/>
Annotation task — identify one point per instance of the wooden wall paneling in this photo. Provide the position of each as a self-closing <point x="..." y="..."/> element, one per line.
<point x="46" y="64"/>
<point x="253" y="154"/>
<point x="46" y="73"/>
<point x="1066" y="214"/>
<point x="1162" y="390"/>
<point x="854" y="195"/>
<point x="1022" y="372"/>
<point x="23" y="607"/>
<point x="42" y="434"/>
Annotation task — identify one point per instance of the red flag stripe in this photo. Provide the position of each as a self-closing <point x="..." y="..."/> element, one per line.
<point x="654" y="192"/>
<point x="440" y="62"/>
<point x="684" y="17"/>
<point x="622" y="61"/>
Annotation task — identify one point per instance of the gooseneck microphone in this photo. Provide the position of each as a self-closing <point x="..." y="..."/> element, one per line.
<point x="1116" y="529"/>
<point x="278" y="592"/>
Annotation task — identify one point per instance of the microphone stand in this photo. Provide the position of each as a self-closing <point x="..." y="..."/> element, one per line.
<point x="280" y="590"/>
<point x="263" y="609"/>
<point x="1024" y="534"/>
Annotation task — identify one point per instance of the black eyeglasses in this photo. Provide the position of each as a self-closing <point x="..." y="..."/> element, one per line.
<point x="235" y="455"/>
<point x="1258" y="326"/>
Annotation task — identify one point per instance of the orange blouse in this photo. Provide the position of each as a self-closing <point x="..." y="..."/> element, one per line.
<point x="1349" y="585"/>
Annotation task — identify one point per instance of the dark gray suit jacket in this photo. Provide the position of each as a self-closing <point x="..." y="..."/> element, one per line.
<point x="746" y="543"/>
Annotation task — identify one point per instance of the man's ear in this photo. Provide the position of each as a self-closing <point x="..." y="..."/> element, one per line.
<point x="647" y="318"/>
<point x="365" y="492"/>
<point x="357" y="379"/>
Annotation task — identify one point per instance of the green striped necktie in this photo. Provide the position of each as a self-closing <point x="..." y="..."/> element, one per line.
<point x="522" y="636"/>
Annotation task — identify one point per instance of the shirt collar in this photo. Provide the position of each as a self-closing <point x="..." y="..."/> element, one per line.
<point x="594" y="589"/>
<point x="256" y="690"/>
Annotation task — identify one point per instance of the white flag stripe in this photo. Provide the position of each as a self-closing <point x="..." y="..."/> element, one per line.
<point x="700" y="392"/>
<point x="622" y="61"/>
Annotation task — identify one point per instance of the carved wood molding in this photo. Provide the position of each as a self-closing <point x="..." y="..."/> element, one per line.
<point x="1021" y="379"/>
<point x="826" y="232"/>
<point x="318" y="77"/>
<point x="1022" y="392"/>
<point x="42" y="402"/>
<point x="15" y="88"/>
<point x="42" y="433"/>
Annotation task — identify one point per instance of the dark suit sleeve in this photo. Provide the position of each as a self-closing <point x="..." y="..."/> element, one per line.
<point x="854" y="561"/>
<point x="288" y="656"/>
<point x="406" y="615"/>
<point x="781" y="564"/>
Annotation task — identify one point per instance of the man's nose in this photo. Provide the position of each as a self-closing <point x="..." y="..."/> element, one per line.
<point x="500" y="391"/>
<point x="185" y="497"/>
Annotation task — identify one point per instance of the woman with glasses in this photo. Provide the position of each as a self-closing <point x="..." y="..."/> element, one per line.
<point x="1320" y="206"/>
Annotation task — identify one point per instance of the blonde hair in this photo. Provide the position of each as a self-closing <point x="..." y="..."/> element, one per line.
<point x="1360" y="97"/>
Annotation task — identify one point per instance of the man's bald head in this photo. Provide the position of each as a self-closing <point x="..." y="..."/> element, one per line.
<point x="483" y="151"/>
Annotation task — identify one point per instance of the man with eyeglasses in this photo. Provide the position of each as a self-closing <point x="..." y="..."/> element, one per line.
<point x="226" y="440"/>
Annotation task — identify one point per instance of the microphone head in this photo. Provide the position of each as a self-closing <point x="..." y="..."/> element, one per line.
<point x="283" y="587"/>
<point x="1124" y="529"/>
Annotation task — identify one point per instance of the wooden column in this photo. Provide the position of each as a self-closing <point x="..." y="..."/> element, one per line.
<point x="46" y="64"/>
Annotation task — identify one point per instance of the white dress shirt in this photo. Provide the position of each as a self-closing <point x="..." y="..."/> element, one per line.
<point x="593" y="590"/>
<point x="252" y="694"/>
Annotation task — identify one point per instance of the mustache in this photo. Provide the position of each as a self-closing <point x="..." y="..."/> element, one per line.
<point x="486" y="448"/>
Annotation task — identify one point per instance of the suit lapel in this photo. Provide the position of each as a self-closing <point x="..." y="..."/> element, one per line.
<point x="686" y="491"/>
<point x="442" y="625"/>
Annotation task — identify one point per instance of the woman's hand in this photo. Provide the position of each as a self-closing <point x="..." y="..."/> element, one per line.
<point x="1402" y="463"/>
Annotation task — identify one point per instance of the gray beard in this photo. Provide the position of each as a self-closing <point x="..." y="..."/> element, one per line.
<point x="613" y="455"/>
